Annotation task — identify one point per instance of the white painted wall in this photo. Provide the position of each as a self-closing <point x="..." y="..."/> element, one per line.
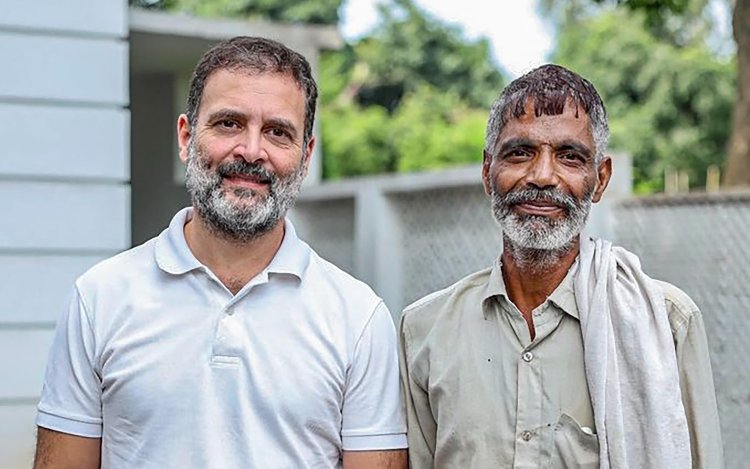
<point x="64" y="178"/>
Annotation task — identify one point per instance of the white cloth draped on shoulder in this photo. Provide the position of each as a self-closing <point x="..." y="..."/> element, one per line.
<point x="630" y="361"/>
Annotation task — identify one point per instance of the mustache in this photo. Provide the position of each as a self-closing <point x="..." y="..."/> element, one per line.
<point x="532" y="194"/>
<point x="245" y="168"/>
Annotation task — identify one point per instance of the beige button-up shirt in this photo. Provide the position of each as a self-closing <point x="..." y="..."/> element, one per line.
<point x="480" y="394"/>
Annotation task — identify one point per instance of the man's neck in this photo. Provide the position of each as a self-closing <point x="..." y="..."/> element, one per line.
<point x="531" y="276"/>
<point x="234" y="262"/>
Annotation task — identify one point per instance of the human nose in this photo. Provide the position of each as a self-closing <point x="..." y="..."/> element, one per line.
<point x="542" y="172"/>
<point x="250" y="147"/>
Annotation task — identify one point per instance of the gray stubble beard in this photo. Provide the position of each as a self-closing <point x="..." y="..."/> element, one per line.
<point x="537" y="242"/>
<point x="240" y="220"/>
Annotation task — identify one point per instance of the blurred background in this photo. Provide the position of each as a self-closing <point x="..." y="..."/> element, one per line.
<point x="91" y="89"/>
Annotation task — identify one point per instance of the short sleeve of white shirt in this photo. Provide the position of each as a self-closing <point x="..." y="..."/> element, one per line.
<point x="71" y="395"/>
<point x="373" y="414"/>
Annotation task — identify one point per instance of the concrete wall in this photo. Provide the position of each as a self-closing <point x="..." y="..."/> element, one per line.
<point x="64" y="171"/>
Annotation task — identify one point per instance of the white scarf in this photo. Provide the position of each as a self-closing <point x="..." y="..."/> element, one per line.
<point x="630" y="361"/>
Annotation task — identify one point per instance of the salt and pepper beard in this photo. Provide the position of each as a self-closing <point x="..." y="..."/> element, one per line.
<point x="536" y="241"/>
<point x="251" y="214"/>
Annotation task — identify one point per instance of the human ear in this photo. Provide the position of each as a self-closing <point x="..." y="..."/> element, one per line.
<point x="184" y="133"/>
<point x="486" y="162"/>
<point x="308" y="151"/>
<point x="603" y="175"/>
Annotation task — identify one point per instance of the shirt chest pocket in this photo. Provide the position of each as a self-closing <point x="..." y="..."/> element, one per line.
<point x="572" y="447"/>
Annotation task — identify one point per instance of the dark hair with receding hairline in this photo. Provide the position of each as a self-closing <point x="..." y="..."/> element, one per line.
<point x="254" y="55"/>
<point x="550" y="88"/>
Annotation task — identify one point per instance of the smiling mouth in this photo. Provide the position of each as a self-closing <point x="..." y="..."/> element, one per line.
<point x="538" y="207"/>
<point x="247" y="180"/>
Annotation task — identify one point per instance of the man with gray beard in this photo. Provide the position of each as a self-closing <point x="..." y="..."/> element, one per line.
<point x="226" y="342"/>
<point x="563" y="354"/>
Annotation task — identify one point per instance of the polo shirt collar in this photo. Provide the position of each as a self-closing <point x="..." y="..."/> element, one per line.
<point x="175" y="257"/>
<point x="293" y="255"/>
<point x="563" y="296"/>
<point x="172" y="252"/>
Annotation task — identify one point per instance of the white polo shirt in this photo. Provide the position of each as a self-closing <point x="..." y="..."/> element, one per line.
<point x="160" y="360"/>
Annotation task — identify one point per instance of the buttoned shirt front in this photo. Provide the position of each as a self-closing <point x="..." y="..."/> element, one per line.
<point x="159" y="359"/>
<point x="480" y="393"/>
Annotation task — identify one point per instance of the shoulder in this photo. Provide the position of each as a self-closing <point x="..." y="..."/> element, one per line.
<point x="681" y="309"/>
<point x="446" y="305"/>
<point x="340" y="293"/>
<point x="116" y="272"/>
<point x="325" y="274"/>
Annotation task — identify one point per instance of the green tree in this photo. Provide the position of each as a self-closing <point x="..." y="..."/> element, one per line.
<point x="412" y="95"/>
<point x="409" y="48"/>
<point x="356" y="141"/>
<point x="669" y="106"/>
<point x="285" y="11"/>
<point x="435" y="129"/>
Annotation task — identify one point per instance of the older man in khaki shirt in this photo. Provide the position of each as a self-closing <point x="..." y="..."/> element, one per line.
<point x="495" y="369"/>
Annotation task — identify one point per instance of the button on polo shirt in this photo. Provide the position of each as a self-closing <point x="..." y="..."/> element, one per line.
<point x="159" y="359"/>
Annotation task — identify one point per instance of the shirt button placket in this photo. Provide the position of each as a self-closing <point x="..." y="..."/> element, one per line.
<point x="529" y="411"/>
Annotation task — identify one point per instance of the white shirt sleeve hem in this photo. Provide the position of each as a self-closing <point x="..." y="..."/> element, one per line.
<point x="375" y="442"/>
<point x="70" y="426"/>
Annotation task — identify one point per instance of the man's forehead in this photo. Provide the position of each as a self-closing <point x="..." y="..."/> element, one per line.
<point x="531" y="108"/>
<point x="234" y="85"/>
<point x="571" y="123"/>
<point x="240" y="73"/>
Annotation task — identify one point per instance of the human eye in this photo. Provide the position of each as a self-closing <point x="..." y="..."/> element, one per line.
<point x="571" y="157"/>
<point x="227" y="124"/>
<point x="278" y="132"/>
<point x="279" y="135"/>
<point x="517" y="154"/>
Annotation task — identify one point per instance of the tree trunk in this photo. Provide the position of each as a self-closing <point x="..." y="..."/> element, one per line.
<point x="738" y="162"/>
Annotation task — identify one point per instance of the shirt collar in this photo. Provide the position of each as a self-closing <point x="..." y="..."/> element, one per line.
<point x="563" y="296"/>
<point x="495" y="286"/>
<point x="172" y="252"/>
<point x="293" y="255"/>
<point x="175" y="257"/>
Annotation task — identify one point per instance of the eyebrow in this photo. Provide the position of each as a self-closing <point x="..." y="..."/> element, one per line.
<point x="521" y="142"/>
<point x="279" y="122"/>
<point x="225" y="114"/>
<point x="285" y="124"/>
<point x="514" y="143"/>
<point x="575" y="146"/>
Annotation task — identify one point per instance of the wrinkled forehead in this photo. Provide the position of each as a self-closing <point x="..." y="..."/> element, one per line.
<point x="553" y="103"/>
<point x="554" y="127"/>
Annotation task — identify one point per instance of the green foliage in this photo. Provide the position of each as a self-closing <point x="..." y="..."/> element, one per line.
<point x="356" y="141"/>
<point x="285" y="11"/>
<point x="434" y="129"/>
<point x="153" y="4"/>
<point x="411" y="96"/>
<point x="668" y="106"/>
<point x="679" y="22"/>
<point x="335" y="74"/>
<point x="430" y="129"/>
<point x="409" y="49"/>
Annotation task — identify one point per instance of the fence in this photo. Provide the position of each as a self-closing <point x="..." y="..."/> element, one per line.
<point x="413" y="234"/>
<point x="700" y="243"/>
